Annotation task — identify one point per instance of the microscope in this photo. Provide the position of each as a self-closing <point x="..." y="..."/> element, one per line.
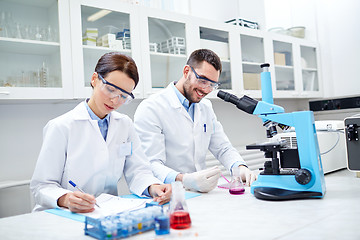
<point x="290" y="173"/>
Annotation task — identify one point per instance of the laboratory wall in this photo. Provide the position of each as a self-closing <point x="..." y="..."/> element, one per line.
<point x="339" y="37"/>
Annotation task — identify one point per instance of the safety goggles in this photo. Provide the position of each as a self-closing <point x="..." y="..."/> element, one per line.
<point x="204" y="82"/>
<point x="113" y="91"/>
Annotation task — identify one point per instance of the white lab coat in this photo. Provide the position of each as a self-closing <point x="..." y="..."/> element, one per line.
<point x="74" y="149"/>
<point x="174" y="142"/>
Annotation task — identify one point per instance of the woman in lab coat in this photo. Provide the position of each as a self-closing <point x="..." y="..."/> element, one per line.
<point x="93" y="146"/>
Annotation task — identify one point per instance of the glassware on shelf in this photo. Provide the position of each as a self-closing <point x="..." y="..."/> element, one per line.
<point x="18" y="31"/>
<point x="48" y="34"/>
<point x="39" y="33"/>
<point x="27" y="32"/>
<point x="179" y="213"/>
<point x="43" y="75"/>
<point x="3" y="30"/>
<point x="236" y="185"/>
<point x="6" y="24"/>
<point x="15" y="29"/>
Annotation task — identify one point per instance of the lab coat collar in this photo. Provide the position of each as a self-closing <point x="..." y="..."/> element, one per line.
<point x="81" y="113"/>
<point x="112" y="126"/>
<point x="173" y="98"/>
<point x="175" y="103"/>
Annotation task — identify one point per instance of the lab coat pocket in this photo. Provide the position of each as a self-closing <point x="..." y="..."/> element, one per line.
<point x="125" y="149"/>
<point x="121" y="151"/>
<point x="206" y="134"/>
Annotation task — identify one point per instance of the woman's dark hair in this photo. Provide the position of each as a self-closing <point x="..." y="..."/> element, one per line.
<point x="113" y="61"/>
<point x="200" y="55"/>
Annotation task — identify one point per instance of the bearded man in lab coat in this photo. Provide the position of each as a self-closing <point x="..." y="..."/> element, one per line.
<point x="177" y="127"/>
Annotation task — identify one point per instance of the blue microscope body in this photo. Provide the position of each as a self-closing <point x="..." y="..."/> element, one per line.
<point x="298" y="173"/>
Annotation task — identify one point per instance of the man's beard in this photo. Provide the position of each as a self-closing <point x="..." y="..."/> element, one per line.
<point x="187" y="94"/>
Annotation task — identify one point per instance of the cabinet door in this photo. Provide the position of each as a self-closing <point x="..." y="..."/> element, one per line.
<point x="99" y="27"/>
<point x="284" y="67"/>
<point x="33" y="64"/>
<point x="309" y="71"/>
<point x="218" y="41"/>
<point x="253" y="55"/>
<point x="164" y="47"/>
<point x="223" y="40"/>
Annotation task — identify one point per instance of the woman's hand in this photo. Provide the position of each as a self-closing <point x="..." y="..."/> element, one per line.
<point x="77" y="202"/>
<point x="160" y="193"/>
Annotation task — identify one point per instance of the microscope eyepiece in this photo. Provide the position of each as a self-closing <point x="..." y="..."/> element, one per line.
<point x="224" y="95"/>
<point x="247" y="104"/>
<point x="265" y="65"/>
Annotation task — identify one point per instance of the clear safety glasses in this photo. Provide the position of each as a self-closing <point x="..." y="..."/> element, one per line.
<point x="114" y="91"/>
<point x="204" y="82"/>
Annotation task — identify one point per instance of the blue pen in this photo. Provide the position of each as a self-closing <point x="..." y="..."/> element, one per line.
<point x="204" y="127"/>
<point x="75" y="186"/>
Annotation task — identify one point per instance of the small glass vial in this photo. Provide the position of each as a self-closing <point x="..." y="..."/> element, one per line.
<point x="236" y="186"/>
<point x="162" y="224"/>
<point x="179" y="214"/>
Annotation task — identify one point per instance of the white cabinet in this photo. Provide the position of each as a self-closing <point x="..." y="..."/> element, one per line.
<point x="309" y="70"/>
<point x="98" y="27"/>
<point x="218" y="41"/>
<point x="253" y="55"/>
<point x="220" y="38"/>
<point x="165" y="47"/>
<point x="284" y="67"/>
<point x="49" y="50"/>
<point x="33" y="63"/>
<point x="294" y="66"/>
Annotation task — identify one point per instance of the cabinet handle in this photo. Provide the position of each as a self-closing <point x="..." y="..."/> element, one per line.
<point x="5" y="93"/>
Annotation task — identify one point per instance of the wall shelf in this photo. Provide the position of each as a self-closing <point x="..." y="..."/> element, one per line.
<point x="24" y="46"/>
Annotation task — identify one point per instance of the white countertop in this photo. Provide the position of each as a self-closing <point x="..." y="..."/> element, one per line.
<point x="219" y="215"/>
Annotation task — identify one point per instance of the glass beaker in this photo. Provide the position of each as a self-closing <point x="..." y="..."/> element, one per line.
<point x="179" y="214"/>
<point x="236" y="186"/>
<point x="162" y="223"/>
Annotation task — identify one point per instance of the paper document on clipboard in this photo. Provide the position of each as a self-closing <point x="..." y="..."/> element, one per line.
<point x="110" y="204"/>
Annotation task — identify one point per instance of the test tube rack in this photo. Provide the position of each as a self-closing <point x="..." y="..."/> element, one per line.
<point x="123" y="225"/>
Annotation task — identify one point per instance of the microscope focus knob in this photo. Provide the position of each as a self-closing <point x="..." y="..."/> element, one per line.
<point x="303" y="176"/>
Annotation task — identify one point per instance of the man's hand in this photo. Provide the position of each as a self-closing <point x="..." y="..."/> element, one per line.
<point x="77" y="202"/>
<point x="247" y="176"/>
<point x="202" y="181"/>
<point x="160" y="193"/>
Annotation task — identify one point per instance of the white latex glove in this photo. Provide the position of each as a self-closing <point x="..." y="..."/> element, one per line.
<point x="247" y="176"/>
<point x="202" y="181"/>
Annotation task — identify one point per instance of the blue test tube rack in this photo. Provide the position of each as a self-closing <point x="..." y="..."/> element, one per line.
<point x="123" y="225"/>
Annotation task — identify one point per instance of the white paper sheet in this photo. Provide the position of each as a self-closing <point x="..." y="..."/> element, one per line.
<point x="110" y="204"/>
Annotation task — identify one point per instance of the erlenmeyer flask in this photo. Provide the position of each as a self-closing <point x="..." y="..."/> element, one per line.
<point x="179" y="214"/>
<point x="236" y="185"/>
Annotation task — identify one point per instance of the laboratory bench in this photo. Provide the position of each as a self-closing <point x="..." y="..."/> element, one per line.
<point x="219" y="215"/>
